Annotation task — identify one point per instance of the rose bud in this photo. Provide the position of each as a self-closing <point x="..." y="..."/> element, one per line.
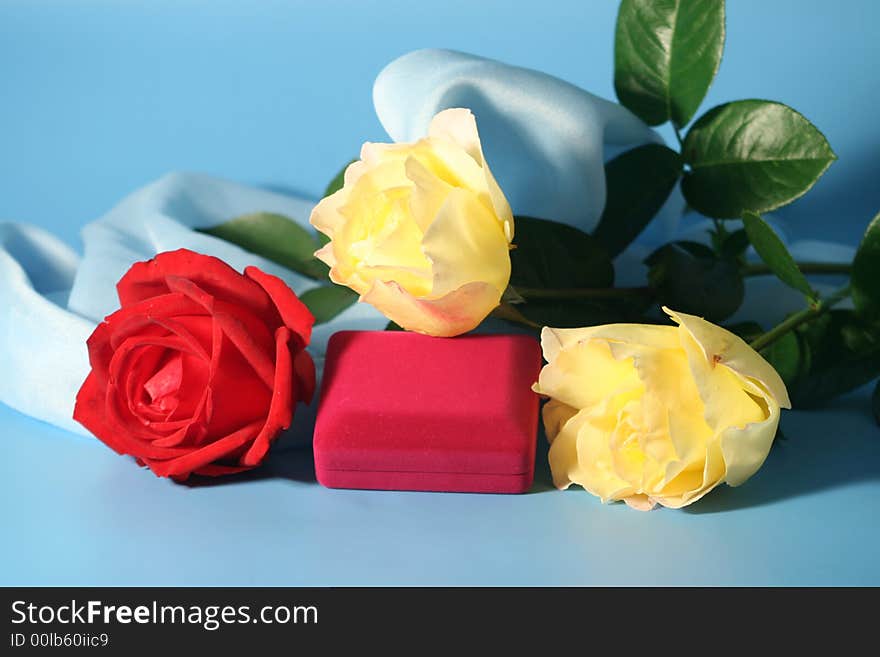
<point x="200" y="368"/>
<point x="656" y="414"/>
<point x="422" y="231"/>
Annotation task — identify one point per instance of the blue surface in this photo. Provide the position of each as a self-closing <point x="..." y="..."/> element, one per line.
<point x="100" y="98"/>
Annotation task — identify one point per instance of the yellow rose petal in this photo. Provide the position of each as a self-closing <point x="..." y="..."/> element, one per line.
<point x="442" y="317"/>
<point x="656" y="414"/>
<point x="465" y="243"/>
<point x="421" y="230"/>
<point x="584" y="374"/>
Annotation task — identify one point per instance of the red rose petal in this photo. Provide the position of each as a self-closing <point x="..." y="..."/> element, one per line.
<point x="304" y="372"/>
<point x="164" y="386"/>
<point x="173" y="342"/>
<point x="255" y="326"/>
<point x="100" y="352"/>
<point x="197" y="351"/>
<point x="238" y="396"/>
<point x="170" y="305"/>
<point x="215" y="470"/>
<point x="296" y="315"/>
<point x="147" y="279"/>
<point x="186" y="463"/>
<point x="144" y="361"/>
<point x="196" y="367"/>
<point x="139" y="326"/>
<point x="232" y="327"/>
<point x="281" y="409"/>
<point x="89" y="411"/>
<point x="128" y="436"/>
<point x="124" y="322"/>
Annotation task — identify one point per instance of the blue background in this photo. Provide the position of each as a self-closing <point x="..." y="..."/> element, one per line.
<point x="98" y="98"/>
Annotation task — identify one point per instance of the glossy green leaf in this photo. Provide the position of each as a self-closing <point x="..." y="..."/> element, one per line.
<point x="551" y="255"/>
<point x="785" y="355"/>
<point x="638" y="182"/>
<point x="690" y="277"/>
<point x="327" y="301"/>
<point x="276" y="238"/>
<point x="666" y="54"/>
<point x="865" y="278"/>
<point x="844" y="354"/>
<point x="576" y="313"/>
<point x="751" y="155"/>
<point x="774" y="254"/>
<point x="728" y="244"/>
<point x="510" y="312"/>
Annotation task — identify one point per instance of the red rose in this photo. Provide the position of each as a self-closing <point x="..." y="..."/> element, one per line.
<point x="200" y="368"/>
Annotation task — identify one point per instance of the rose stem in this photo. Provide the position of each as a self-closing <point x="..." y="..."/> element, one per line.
<point x="805" y="315"/>
<point x="759" y="269"/>
<point x="585" y="292"/>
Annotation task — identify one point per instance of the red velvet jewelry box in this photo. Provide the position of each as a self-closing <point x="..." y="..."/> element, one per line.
<point x="403" y="411"/>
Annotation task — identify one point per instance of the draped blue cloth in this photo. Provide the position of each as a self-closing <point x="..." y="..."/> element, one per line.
<point x="545" y="139"/>
<point x="51" y="299"/>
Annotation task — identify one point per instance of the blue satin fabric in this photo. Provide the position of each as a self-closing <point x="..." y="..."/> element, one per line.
<point x="42" y="345"/>
<point x="545" y="139"/>
<point x="51" y="300"/>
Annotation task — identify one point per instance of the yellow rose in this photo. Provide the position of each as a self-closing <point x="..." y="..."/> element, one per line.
<point x="422" y="231"/>
<point x="656" y="414"/>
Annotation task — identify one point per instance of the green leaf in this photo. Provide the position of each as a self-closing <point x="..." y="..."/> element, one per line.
<point x="338" y="180"/>
<point x="786" y="357"/>
<point x="843" y="352"/>
<point x="875" y="402"/>
<point x="638" y="182"/>
<point x="393" y="326"/>
<point x="666" y="54"/>
<point x="569" y="313"/>
<point x="727" y="244"/>
<point x="774" y="254"/>
<point x="751" y="155"/>
<point x="865" y="278"/>
<point x="549" y="254"/>
<point x="577" y="313"/>
<point x="690" y="277"/>
<point x="327" y="301"/>
<point x="510" y="313"/>
<point x="552" y="255"/>
<point x="276" y="238"/>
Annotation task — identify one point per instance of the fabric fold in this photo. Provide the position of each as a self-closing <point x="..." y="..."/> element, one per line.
<point x="43" y="353"/>
<point x="51" y="299"/>
<point x="546" y="139"/>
